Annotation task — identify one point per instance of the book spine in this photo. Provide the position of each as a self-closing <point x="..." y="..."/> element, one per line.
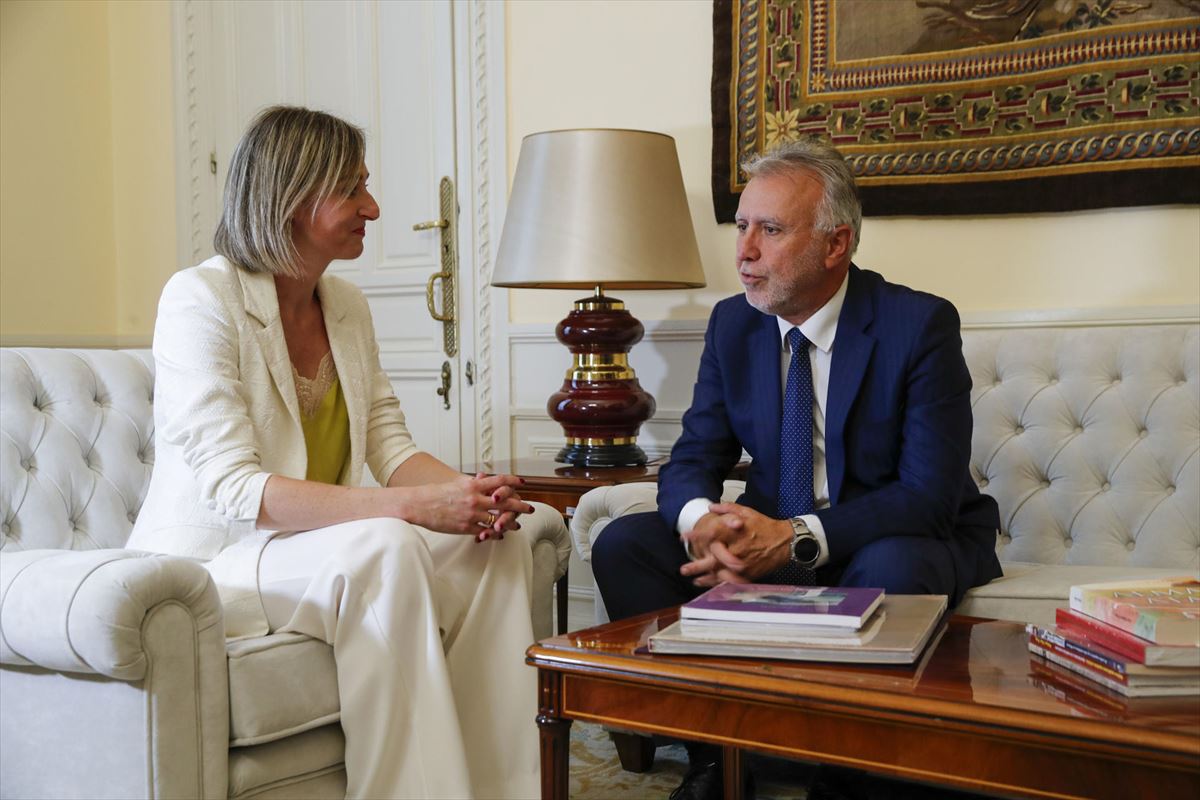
<point x="1088" y="666"/>
<point x="1115" y="639"/>
<point x="1067" y="663"/>
<point x="1100" y="660"/>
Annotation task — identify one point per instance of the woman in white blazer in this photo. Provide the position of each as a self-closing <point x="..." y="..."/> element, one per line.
<point x="269" y="401"/>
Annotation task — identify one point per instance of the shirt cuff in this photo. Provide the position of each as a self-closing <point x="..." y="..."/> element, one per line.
<point x="818" y="530"/>
<point x="689" y="515"/>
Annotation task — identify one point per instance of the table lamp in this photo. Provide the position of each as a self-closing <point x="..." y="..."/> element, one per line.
<point x="599" y="209"/>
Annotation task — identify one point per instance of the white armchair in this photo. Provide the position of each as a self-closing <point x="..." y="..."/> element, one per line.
<point x="115" y="676"/>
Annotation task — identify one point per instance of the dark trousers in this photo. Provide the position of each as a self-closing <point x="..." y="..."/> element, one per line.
<point x="636" y="561"/>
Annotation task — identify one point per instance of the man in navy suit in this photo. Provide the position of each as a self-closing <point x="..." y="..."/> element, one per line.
<point x="892" y="503"/>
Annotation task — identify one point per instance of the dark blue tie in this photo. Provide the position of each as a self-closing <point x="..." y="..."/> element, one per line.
<point x="796" y="451"/>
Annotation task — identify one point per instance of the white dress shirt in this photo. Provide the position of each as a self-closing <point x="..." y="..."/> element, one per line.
<point x="820" y="329"/>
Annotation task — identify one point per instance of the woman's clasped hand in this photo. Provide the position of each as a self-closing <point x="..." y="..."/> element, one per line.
<point x="484" y="506"/>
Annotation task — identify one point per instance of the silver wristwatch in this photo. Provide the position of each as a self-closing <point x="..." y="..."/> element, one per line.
<point x="805" y="547"/>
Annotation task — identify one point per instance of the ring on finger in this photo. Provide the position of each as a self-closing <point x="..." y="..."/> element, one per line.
<point x="491" y="520"/>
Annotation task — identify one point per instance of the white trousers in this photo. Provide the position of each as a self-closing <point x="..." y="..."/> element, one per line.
<point x="429" y="632"/>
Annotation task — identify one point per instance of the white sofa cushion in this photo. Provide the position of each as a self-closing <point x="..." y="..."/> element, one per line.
<point x="280" y="685"/>
<point x="1032" y="592"/>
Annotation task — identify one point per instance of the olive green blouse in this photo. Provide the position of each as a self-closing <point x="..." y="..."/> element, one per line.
<point x="325" y="421"/>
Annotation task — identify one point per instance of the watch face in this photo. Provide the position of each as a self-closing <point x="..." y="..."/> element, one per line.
<point x="806" y="550"/>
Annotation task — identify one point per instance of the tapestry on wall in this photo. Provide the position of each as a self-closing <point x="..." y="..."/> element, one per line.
<point x="967" y="106"/>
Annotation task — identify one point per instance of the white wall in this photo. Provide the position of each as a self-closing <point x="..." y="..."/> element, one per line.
<point x="87" y="203"/>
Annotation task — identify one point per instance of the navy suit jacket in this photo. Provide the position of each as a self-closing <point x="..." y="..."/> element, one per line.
<point x="897" y="427"/>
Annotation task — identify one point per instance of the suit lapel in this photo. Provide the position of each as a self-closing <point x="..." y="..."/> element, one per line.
<point x="765" y="359"/>
<point x="348" y="358"/>
<point x="262" y="305"/>
<point x="852" y="348"/>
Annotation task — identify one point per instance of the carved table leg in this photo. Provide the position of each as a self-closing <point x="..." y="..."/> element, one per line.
<point x="555" y="735"/>
<point x="635" y="751"/>
<point x="732" y="762"/>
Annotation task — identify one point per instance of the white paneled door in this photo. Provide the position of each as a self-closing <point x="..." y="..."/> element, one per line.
<point x="390" y="68"/>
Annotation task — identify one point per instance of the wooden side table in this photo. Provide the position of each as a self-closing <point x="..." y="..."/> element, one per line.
<point x="560" y="486"/>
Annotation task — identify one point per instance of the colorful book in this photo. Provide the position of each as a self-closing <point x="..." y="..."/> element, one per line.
<point x="847" y="607"/>
<point x="1163" y="611"/>
<point x="906" y="625"/>
<point x="1091" y="630"/>
<point x="1137" y="688"/>
<point x="1103" y="659"/>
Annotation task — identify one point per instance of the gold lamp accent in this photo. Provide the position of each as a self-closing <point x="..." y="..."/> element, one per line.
<point x="599" y="209"/>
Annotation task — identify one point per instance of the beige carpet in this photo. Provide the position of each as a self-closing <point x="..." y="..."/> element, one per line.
<point x="596" y="772"/>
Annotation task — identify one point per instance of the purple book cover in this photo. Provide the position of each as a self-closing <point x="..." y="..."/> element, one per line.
<point x="809" y="605"/>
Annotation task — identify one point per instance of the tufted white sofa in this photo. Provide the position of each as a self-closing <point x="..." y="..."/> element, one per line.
<point x="115" y="676"/>
<point x="1088" y="438"/>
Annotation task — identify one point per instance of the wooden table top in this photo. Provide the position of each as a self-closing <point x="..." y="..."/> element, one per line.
<point x="979" y="672"/>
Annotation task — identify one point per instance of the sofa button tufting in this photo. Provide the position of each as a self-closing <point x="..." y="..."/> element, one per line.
<point x="1130" y="545"/>
<point x="1079" y="429"/>
<point x="1105" y="486"/>
<point x="983" y="482"/>
<point x="131" y="516"/>
<point x="1045" y="484"/>
<point x="1068" y="541"/>
<point x="1143" y="433"/>
<point x="1019" y="429"/>
<point x="1170" y="488"/>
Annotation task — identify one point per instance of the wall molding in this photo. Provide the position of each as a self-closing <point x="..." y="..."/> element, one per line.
<point x="687" y="330"/>
<point x="1082" y="317"/>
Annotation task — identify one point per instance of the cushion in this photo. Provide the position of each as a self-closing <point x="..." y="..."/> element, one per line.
<point x="279" y="685"/>
<point x="1031" y="592"/>
<point x="306" y="765"/>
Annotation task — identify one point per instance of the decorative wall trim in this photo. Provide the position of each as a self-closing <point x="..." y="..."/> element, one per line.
<point x="1082" y="317"/>
<point x="190" y="23"/>
<point x="480" y="123"/>
<point x="687" y="330"/>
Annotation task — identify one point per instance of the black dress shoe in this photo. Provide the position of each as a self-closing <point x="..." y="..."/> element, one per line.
<point x="707" y="782"/>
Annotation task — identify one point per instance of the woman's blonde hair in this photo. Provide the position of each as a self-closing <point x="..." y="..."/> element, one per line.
<point x="288" y="156"/>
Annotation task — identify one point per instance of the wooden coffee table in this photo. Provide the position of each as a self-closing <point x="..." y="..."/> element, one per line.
<point x="978" y="712"/>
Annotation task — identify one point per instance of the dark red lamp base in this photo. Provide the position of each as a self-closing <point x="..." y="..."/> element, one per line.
<point x="601" y="406"/>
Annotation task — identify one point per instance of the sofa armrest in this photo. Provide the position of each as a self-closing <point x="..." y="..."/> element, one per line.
<point x="85" y="611"/>
<point x="545" y="529"/>
<point x="603" y="504"/>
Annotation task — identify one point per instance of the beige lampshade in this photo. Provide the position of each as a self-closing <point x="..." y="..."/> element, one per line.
<point x="598" y="207"/>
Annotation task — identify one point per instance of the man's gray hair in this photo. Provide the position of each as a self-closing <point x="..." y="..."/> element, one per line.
<point x="839" y="201"/>
<point x="288" y="157"/>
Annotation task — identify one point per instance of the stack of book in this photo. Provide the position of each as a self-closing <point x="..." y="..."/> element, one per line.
<point x="803" y="623"/>
<point x="1139" y="638"/>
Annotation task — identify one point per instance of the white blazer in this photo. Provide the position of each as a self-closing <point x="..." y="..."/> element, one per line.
<point x="226" y="418"/>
